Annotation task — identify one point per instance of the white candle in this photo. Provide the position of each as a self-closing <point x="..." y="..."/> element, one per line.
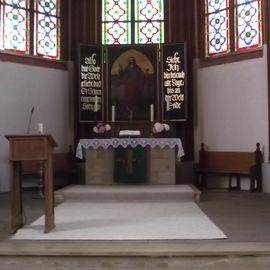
<point x="40" y="128"/>
<point x="96" y="104"/>
<point x="113" y="113"/>
<point x="167" y="104"/>
<point x="152" y="112"/>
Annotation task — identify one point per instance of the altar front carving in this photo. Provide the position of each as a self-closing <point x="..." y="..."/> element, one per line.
<point x="99" y="158"/>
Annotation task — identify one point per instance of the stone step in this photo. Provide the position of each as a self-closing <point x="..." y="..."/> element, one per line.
<point x="135" y="255"/>
<point x="136" y="192"/>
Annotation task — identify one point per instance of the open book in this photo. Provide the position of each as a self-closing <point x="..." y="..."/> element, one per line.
<point x="129" y="132"/>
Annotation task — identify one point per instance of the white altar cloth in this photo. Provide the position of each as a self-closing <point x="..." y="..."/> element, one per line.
<point x="125" y="142"/>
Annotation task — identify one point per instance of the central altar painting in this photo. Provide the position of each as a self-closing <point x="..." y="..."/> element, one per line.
<point x="132" y="82"/>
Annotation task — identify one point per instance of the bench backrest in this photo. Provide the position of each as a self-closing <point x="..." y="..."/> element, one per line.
<point x="241" y="161"/>
<point x="235" y="161"/>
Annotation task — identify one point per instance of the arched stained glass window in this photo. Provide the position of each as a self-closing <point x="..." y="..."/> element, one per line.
<point x="30" y="27"/>
<point x="232" y="25"/>
<point x="132" y="21"/>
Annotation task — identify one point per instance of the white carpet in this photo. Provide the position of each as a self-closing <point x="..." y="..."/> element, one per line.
<point x="125" y="213"/>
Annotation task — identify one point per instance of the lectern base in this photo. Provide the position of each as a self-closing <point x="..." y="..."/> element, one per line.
<point x="31" y="148"/>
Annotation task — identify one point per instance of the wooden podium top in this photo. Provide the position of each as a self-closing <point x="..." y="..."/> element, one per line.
<point x="30" y="147"/>
<point x="31" y="136"/>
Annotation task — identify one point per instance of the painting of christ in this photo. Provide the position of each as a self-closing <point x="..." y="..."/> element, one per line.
<point x="132" y="83"/>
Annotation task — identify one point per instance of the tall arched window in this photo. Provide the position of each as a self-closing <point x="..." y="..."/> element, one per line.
<point x="31" y="27"/>
<point x="132" y="21"/>
<point x="232" y="25"/>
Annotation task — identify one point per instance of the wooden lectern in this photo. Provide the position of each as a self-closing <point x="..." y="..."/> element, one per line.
<point x="31" y="147"/>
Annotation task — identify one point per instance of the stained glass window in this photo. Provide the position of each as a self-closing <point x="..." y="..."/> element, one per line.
<point x="149" y="21"/>
<point x="132" y="21"/>
<point x="14" y="23"/>
<point x="232" y="25"/>
<point x="46" y="25"/>
<point x="30" y="27"/>
<point x="217" y="24"/>
<point x="116" y="22"/>
<point x="248" y="24"/>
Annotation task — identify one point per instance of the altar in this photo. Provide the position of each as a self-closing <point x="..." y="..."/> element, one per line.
<point x="162" y="154"/>
<point x="134" y="104"/>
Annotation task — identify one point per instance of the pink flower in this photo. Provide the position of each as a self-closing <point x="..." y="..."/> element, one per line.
<point x="101" y="129"/>
<point x="158" y="127"/>
<point x="107" y="127"/>
<point x="166" y="127"/>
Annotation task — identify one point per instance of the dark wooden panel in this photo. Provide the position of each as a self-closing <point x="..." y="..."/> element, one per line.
<point x="241" y="161"/>
<point x="183" y="30"/>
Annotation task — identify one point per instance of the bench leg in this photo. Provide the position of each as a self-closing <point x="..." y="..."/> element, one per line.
<point x="259" y="185"/>
<point x="255" y="184"/>
<point x="201" y="180"/>
<point x="238" y="186"/>
<point x="255" y="179"/>
<point x="230" y="182"/>
<point x="204" y="183"/>
<point x="252" y="184"/>
<point x="238" y="180"/>
<point x="197" y="180"/>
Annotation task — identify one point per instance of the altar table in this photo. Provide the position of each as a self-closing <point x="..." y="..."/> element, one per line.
<point x="99" y="156"/>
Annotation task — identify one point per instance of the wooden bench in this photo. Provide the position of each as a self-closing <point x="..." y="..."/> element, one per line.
<point x="233" y="164"/>
<point x="63" y="166"/>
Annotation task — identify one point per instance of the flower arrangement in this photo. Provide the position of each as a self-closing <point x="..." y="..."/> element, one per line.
<point x="101" y="128"/>
<point x="160" y="127"/>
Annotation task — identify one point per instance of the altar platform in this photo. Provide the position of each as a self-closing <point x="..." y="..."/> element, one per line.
<point x="247" y="245"/>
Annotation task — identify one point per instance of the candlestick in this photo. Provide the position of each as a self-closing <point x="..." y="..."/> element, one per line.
<point x="152" y="112"/>
<point x="113" y="113"/>
<point x="96" y="104"/>
<point x="167" y="104"/>
<point x="40" y="128"/>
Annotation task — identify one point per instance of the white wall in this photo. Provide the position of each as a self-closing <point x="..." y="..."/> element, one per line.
<point x="25" y="86"/>
<point x="232" y="106"/>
